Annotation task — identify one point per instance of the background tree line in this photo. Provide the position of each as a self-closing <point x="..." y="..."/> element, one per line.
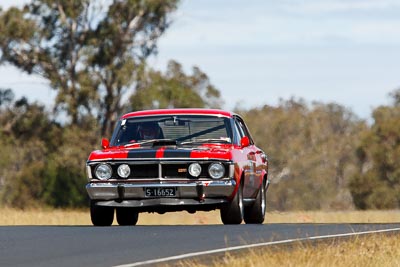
<point x="94" y="56"/>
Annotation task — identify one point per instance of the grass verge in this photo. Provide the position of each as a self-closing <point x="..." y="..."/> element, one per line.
<point x="45" y="216"/>
<point x="370" y="250"/>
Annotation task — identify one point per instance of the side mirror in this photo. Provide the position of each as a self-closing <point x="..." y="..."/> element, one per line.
<point x="105" y="143"/>
<point x="245" y="141"/>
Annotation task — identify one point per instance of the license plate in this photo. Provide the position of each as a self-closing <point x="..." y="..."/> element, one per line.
<point x="160" y="191"/>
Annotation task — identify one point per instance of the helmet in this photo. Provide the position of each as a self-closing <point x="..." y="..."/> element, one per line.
<point x="149" y="131"/>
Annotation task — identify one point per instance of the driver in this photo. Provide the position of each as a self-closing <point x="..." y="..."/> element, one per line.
<point x="149" y="131"/>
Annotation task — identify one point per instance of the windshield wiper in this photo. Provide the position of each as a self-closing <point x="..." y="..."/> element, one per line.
<point x="208" y="140"/>
<point x="164" y="142"/>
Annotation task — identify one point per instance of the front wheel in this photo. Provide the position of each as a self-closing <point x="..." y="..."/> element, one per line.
<point x="101" y="216"/>
<point x="127" y="216"/>
<point x="255" y="214"/>
<point x="233" y="213"/>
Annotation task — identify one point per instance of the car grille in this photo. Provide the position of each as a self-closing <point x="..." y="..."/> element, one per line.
<point x="144" y="171"/>
<point x="159" y="170"/>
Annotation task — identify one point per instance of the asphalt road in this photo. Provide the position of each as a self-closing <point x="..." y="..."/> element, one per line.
<point x="110" y="246"/>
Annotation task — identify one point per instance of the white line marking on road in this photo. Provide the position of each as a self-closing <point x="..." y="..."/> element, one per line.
<point x="286" y="241"/>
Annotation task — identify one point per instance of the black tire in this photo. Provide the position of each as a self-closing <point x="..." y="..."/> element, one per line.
<point x="233" y="212"/>
<point x="127" y="216"/>
<point x="255" y="214"/>
<point x="101" y="216"/>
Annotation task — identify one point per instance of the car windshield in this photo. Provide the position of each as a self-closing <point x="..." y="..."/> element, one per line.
<point x="172" y="129"/>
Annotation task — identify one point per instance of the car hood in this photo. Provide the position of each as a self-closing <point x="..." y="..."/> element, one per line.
<point x="165" y="152"/>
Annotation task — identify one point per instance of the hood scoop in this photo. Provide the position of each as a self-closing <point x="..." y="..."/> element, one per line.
<point x="159" y="143"/>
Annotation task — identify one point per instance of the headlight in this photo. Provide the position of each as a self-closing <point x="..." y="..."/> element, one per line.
<point x="124" y="171"/>
<point x="194" y="169"/>
<point x="216" y="170"/>
<point x="103" y="171"/>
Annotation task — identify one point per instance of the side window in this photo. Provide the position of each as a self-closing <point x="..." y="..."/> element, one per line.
<point x="238" y="132"/>
<point x="243" y="129"/>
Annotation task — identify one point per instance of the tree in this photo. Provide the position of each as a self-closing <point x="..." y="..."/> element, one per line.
<point x="89" y="51"/>
<point x="28" y="135"/>
<point x="63" y="177"/>
<point x="174" y="89"/>
<point x="6" y="97"/>
<point x="41" y="160"/>
<point x="310" y="150"/>
<point x="378" y="183"/>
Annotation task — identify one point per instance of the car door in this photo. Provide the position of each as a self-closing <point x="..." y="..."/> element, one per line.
<point x="251" y="179"/>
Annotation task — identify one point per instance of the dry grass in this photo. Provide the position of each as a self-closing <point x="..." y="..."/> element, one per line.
<point x="372" y="250"/>
<point x="44" y="217"/>
<point x="371" y="216"/>
<point x="81" y="217"/>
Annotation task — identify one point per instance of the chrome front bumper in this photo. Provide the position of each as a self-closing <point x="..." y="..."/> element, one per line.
<point x="187" y="193"/>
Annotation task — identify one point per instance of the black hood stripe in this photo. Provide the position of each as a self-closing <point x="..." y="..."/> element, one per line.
<point x="142" y="153"/>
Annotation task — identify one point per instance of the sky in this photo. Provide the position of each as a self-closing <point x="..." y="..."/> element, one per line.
<point x="260" y="51"/>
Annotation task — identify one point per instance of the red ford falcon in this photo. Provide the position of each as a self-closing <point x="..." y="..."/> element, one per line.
<point x="175" y="160"/>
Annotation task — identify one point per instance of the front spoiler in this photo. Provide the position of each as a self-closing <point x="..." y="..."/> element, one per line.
<point x="190" y="193"/>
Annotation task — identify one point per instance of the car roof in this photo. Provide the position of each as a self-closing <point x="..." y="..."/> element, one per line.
<point x="179" y="111"/>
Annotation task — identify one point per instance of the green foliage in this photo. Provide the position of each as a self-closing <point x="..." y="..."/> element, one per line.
<point x="311" y="152"/>
<point x="65" y="176"/>
<point x="21" y="173"/>
<point x="378" y="183"/>
<point x="175" y="89"/>
<point x="42" y="162"/>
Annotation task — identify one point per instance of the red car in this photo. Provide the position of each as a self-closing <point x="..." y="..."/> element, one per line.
<point x="175" y="160"/>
